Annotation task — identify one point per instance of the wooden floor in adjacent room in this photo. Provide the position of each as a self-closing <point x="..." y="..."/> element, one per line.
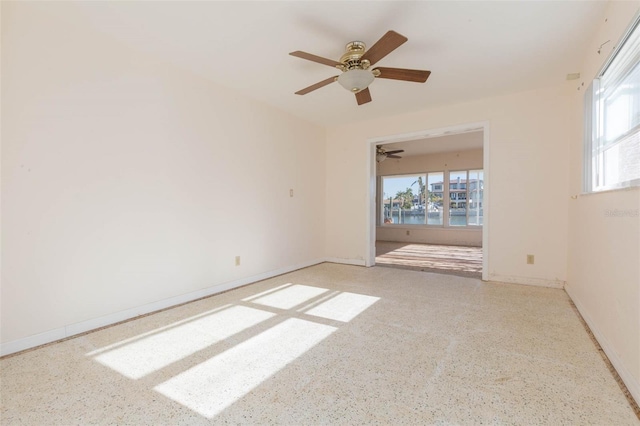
<point x="456" y="260"/>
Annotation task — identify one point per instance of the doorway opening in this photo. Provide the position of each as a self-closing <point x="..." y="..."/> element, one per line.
<point x="429" y="201"/>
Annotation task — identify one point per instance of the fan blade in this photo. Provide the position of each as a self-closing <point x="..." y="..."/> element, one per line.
<point x="419" y="76"/>
<point x="317" y="85"/>
<point x="314" y="58"/>
<point x="387" y="44"/>
<point x="393" y="156"/>
<point x="363" y="96"/>
<point x="397" y="151"/>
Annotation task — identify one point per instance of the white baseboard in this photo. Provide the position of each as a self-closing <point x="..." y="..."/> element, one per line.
<point x="632" y="383"/>
<point x="94" y="323"/>
<point x="356" y="262"/>
<point x="539" y="282"/>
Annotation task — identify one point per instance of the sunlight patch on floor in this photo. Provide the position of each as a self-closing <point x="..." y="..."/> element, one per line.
<point x="289" y="297"/>
<point x="156" y="350"/>
<point x="215" y="384"/>
<point x="343" y="307"/>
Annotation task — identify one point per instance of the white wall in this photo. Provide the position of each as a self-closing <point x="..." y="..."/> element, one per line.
<point x="436" y="162"/>
<point x="430" y="235"/>
<point x="127" y="181"/>
<point x="604" y="246"/>
<point x="527" y="170"/>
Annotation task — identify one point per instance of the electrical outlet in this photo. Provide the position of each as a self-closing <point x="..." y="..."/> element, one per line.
<point x="237" y="260"/>
<point x="407" y="232"/>
<point x="530" y="259"/>
<point x="291" y="193"/>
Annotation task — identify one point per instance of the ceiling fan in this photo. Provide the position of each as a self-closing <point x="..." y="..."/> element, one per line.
<point x="355" y="66"/>
<point x="382" y="154"/>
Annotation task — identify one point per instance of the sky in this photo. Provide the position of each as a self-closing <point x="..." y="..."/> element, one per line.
<point x="392" y="185"/>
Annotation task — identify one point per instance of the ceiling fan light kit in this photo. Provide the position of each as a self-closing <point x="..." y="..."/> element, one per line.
<point x="380" y="157"/>
<point x="355" y="62"/>
<point x="356" y="80"/>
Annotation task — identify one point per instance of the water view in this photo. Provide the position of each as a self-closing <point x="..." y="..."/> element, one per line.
<point x="456" y="218"/>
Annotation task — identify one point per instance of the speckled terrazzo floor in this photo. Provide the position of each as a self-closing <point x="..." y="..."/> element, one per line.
<point x="330" y="344"/>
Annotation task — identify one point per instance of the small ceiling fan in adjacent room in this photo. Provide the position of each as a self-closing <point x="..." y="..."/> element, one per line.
<point x="356" y="63"/>
<point x="382" y="154"/>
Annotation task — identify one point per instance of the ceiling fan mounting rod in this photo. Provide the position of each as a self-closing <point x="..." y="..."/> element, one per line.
<point x="351" y="59"/>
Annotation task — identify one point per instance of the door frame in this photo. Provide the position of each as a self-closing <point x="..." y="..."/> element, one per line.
<point x="425" y="134"/>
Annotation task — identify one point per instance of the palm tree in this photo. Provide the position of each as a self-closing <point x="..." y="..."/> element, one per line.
<point x="406" y="198"/>
<point x="422" y="194"/>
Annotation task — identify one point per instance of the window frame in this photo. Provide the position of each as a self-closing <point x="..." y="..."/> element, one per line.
<point x="446" y="199"/>
<point x="595" y="143"/>
<point x="381" y="209"/>
<point x="465" y="200"/>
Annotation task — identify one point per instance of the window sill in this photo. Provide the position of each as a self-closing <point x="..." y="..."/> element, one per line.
<point x="607" y="191"/>
<point x="431" y="227"/>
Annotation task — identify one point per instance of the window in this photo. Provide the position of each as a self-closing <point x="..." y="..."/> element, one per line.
<point x="612" y="120"/>
<point x="457" y="209"/>
<point x="404" y="199"/>
<point x="435" y="195"/>
<point x="427" y="199"/>
<point x="476" y="189"/>
<point x="465" y="207"/>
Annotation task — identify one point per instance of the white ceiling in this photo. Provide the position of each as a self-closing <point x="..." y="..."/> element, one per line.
<point x="455" y="142"/>
<point x="474" y="49"/>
